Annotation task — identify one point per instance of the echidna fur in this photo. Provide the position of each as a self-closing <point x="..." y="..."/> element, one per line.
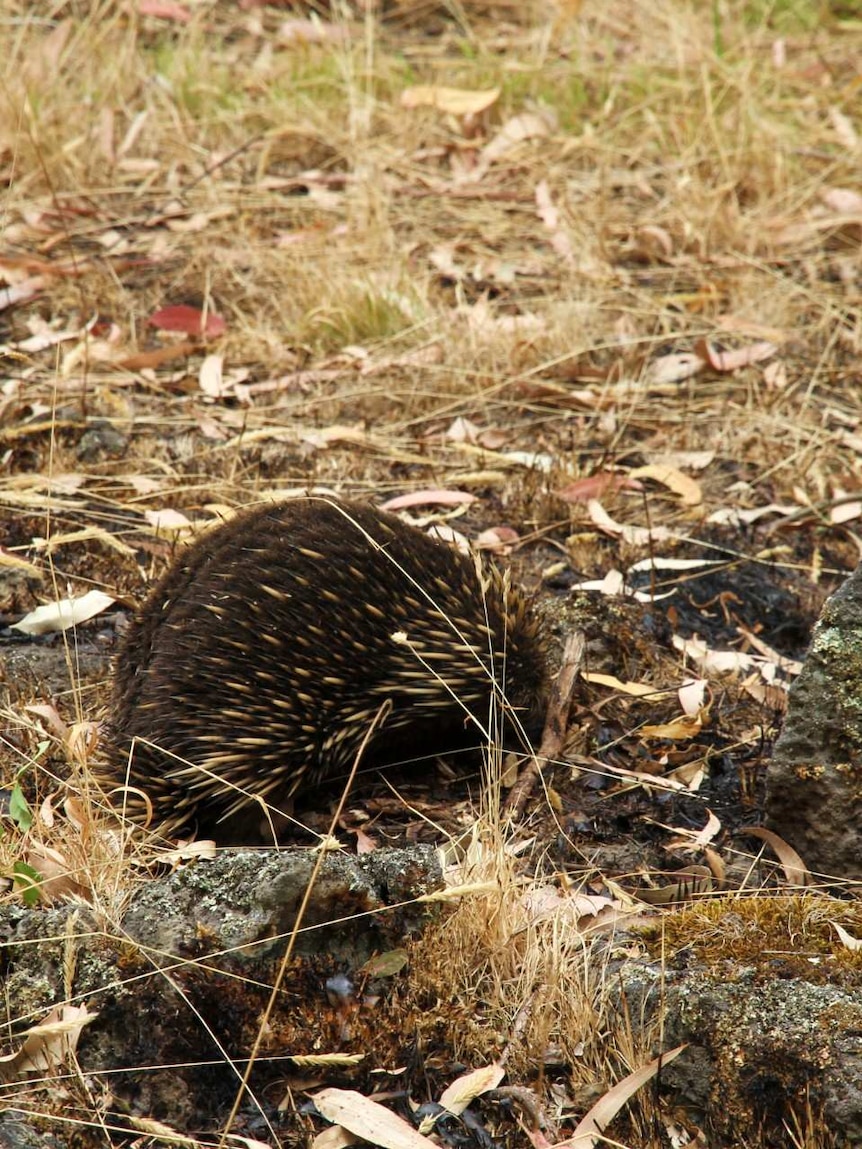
<point x="258" y="662"/>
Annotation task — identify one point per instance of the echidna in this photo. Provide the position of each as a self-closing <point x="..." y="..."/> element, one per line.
<point x="260" y="659"/>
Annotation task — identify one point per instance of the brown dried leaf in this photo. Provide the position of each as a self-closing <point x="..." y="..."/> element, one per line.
<point x="369" y="1120"/>
<point x="672" y="478"/>
<point x="693" y="883"/>
<point x="679" y="730"/>
<point x="453" y="101"/>
<point x="594" y="486"/>
<point x="457" y="1096"/>
<point x="589" y="1133"/>
<point x="795" y="870"/>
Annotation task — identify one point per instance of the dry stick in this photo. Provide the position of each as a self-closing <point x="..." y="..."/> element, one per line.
<point x="556" y="721"/>
<point x="381" y="715"/>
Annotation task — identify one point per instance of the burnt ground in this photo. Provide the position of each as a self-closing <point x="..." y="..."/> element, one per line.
<point x="599" y="823"/>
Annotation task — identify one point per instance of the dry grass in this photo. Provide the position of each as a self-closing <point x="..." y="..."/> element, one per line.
<point x="380" y="275"/>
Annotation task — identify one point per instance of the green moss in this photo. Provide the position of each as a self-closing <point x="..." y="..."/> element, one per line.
<point x="781" y="937"/>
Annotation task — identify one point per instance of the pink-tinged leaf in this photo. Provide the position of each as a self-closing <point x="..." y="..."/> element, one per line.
<point x="165" y="10"/>
<point x="500" y="540"/>
<point x="843" y="201"/>
<point x="300" y="32"/>
<point x="187" y="319"/>
<point x="732" y="360"/>
<point x="18" y="292"/>
<point x="439" y="498"/>
<point x="594" y="486"/>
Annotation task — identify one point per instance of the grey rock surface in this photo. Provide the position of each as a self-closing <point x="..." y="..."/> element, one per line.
<point x="757" y="1050"/>
<point x="176" y="990"/>
<point x="814" y="795"/>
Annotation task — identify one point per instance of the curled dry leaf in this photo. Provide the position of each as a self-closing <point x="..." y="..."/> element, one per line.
<point x="589" y="1133"/>
<point x="674" y="368"/>
<point x="527" y="126"/>
<point x="211" y="376"/>
<point x="636" y="536"/>
<point x="167" y="521"/>
<point x="614" y="583"/>
<point x="81" y="740"/>
<point x="691" y="883"/>
<point x="65" y="613"/>
<point x="695" y="839"/>
<point x="463" y="430"/>
<point x="55" y="873"/>
<point x="795" y="870"/>
<point x="202" y="849"/>
<point x="48" y="1043"/>
<point x="500" y="540"/>
<point x="690" y="774"/>
<point x="692" y="694"/>
<point x="51" y="717"/>
<point x="19" y="292"/>
<point x="847" y="939"/>
<point x="726" y="361"/>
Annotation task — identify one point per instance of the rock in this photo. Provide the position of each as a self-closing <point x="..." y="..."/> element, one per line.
<point x="814" y="795"/>
<point x="758" y="1050"/>
<point x="185" y="978"/>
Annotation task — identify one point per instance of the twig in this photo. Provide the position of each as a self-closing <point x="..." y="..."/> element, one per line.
<point x="556" y="722"/>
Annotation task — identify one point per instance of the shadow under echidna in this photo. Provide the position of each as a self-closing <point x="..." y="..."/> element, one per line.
<point x="258" y="663"/>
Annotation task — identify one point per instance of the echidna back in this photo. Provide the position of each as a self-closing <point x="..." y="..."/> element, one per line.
<point x="259" y="661"/>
